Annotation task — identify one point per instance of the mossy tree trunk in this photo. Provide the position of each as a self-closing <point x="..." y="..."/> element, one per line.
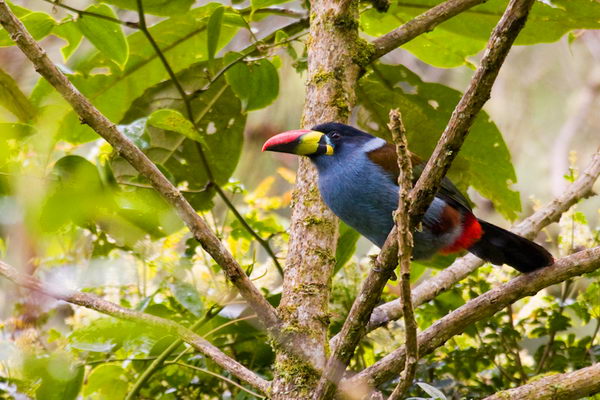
<point x="334" y="51"/>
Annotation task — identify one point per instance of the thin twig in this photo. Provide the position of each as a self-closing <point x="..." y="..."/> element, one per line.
<point x="96" y="303"/>
<point x="82" y="13"/>
<point x="405" y="246"/>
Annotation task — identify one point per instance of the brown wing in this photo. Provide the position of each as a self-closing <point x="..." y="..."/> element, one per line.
<point x="385" y="157"/>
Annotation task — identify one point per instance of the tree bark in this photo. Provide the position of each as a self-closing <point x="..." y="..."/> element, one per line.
<point x="334" y="53"/>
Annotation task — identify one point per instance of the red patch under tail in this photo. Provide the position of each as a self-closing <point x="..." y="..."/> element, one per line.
<point x="471" y="233"/>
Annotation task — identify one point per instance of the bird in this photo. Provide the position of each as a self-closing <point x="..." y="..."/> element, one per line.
<point x="358" y="181"/>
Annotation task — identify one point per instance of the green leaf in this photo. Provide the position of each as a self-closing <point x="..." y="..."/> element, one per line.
<point x="255" y="83"/>
<point x="171" y="120"/>
<point x="69" y="31"/>
<point x="484" y="160"/>
<point x="164" y="8"/>
<point x="183" y="43"/>
<point x="109" y="381"/>
<point x="214" y="31"/>
<point x="14" y="100"/>
<point x="38" y="24"/>
<point x="106" y="36"/>
<point x="187" y="295"/>
<point x="346" y="246"/>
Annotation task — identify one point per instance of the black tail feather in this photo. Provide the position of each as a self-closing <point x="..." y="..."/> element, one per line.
<point x="500" y="246"/>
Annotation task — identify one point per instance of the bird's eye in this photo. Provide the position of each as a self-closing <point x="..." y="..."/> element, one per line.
<point x="335" y="135"/>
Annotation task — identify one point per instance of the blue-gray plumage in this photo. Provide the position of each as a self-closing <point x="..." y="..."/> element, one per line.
<point x="358" y="180"/>
<point x="364" y="195"/>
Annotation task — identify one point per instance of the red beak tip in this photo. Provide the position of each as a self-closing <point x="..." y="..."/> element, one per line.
<point x="284" y="137"/>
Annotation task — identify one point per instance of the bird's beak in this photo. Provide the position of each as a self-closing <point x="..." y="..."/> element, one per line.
<point x="303" y="142"/>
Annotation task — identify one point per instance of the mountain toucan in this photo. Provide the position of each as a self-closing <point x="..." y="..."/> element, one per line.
<point x="358" y="175"/>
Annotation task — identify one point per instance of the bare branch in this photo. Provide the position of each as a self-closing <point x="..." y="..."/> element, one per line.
<point x="572" y="385"/>
<point x="479" y="308"/>
<point x="529" y="227"/>
<point x="105" y="128"/>
<point x="405" y="246"/>
<point x="421" y="24"/>
<point x="96" y="303"/>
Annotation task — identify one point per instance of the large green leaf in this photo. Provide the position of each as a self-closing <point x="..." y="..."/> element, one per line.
<point x="453" y="41"/>
<point x="165" y="8"/>
<point x="220" y="122"/>
<point x="484" y="160"/>
<point x="183" y="42"/>
<point x="256" y="83"/>
<point x="13" y="99"/>
<point x="106" y="36"/>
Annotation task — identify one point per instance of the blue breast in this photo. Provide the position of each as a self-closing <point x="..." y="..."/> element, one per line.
<point x="364" y="196"/>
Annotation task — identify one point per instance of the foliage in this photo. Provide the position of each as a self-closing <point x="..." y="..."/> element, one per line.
<point x="78" y="214"/>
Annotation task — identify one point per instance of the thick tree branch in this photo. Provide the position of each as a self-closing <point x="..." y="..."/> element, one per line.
<point x="330" y="95"/>
<point x="529" y="228"/>
<point x="420" y="24"/>
<point x="479" y="308"/>
<point x="572" y="385"/>
<point x="105" y="128"/>
<point x="405" y="246"/>
<point x="96" y="303"/>
<point x="447" y="148"/>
